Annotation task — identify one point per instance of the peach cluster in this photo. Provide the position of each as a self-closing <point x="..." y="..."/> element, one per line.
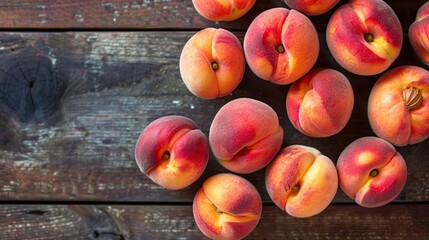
<point x="398" y="105"/>
<point x="371" y="171"/>
<point x="364" y="36"/>
<point x="212" y="63"/>
<point x="312" y="7"/>
<point x="227" y="207"/>
<point x="245" y="135"/>
<point x="172" y="151"/>
<point x="281" y="45"/>
<point x="419" y="33"/>
<point x="223" y="10"/>
<point x="301" y="181"/>
<point x="321" y="103"/>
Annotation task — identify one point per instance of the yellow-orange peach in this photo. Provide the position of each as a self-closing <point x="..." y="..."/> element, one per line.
<point x="398" y="105"/>
<point x="371" y="171"/>
<point x="312" y="7"/>
<point x="321" y="103"/>
<point x="364" y="36"/>
<point x="419" y="33"/>
<point x="281" y="45"/>
<point x="172" y="151"/>
<point x="301" y="181"/>
<point x="227" y="207"/>
<point x="245" y="135"/>
<point x="223" y="10"/>
<point x="212" y="63"/>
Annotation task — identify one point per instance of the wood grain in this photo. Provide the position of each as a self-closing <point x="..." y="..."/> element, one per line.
<point x="116" y="83"/>
<point x="148" y="14"/>
<point x="346" y="221"/>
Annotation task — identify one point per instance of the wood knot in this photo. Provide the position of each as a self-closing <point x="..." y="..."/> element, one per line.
<point x="29" y="87"/>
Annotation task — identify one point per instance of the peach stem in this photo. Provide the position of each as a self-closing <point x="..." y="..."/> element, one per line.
<point x="369" y="37"/>
<point x="295" y="188"/>
<point x="166" y="155"/>
<point x="280" y="48"/>
<point x="413" y="97"/>
<point x="215" y="65"/>
<point x="373" y="173"/>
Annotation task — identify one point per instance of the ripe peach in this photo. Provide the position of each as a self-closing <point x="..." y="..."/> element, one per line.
<point x="172" y="151"/>
<point x="312" y="7"/>
<point x="281" y="45"/>
<point x="364" y="36"/>
<point x="371" y="172"/>
<point x="301" y="181"/>
<point x="227" y="207"/>
<point x="398" y="105"/>
<point x="321" y="103"/>
<point x="223" y="10"/>
<point x="245" y="135"/>
<point x="212" y="63"/>
<point x="419" y="33"/>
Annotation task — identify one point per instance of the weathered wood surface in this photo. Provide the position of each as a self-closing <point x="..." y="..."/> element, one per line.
<point x="106" y="87"/>
<point x="405" y="221"/>
<point x="144" y="14"/>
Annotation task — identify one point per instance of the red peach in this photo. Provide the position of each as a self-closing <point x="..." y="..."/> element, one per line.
<point x="301" y="181"/>
<point x="419" y="33"/>
<point x="281" y="45"/>
<point x="223" y="10"/>
<point x="398" y="105"/>
<point x="364" y="36"/>
<point x="312" y="7"/>
<point x="227" y="207"/>
<point x="172" y="151"/>
<point x="212" y="63"/>
<point x="245" y="135"/>
<point x="321" y="103"/>
<point x="371" y="171"/>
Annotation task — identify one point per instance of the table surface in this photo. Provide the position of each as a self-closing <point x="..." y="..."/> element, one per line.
<point x="79" y="80"/>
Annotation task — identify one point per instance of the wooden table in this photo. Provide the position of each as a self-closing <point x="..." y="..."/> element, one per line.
<point x="80" y="79"/>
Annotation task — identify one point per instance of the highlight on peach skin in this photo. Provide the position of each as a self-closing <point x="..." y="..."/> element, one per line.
<point x="245" y="135"/>
<point x="172" y="151"/>
<point x="313" y="7"/>
<point x="364" y="36"/>
<point x="371" y="171"/>
<point x="227" y="207"/>
<point x="301" y="181"/>
<point x="419" y="34"/>
<point x="223" y="10"/>
<point x="281" y="45"/>
<point x="321" y="103"/>
<point x="398" y="105"/>
<point x="212" y="63"/>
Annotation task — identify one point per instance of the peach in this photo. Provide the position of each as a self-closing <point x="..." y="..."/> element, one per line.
<point x="364" y="36"/>
<point x="281" y="45"/>
<point x="398" y="105"/>
<point x="245" y="135"/>
<point x="371" y="171"/>
<point x="223" y="10"/>
<point x="321" y="103"/>
<point x="419" y="33"/>
<point x="212" y="63"/>
<point x="312" y="7"/>
<point x="301" y="181"/>
<point x="227" y="206"/>
<point x="172" y="151"/>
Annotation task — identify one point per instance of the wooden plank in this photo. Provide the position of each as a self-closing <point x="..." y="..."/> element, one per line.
<point x="113" y="84"/>
<point x="407" y="221"/>
<point x="149" y="14"/>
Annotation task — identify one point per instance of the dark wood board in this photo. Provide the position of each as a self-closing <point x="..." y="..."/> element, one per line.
<point x="344" y="221"/>
<point x="109" y="86"/>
